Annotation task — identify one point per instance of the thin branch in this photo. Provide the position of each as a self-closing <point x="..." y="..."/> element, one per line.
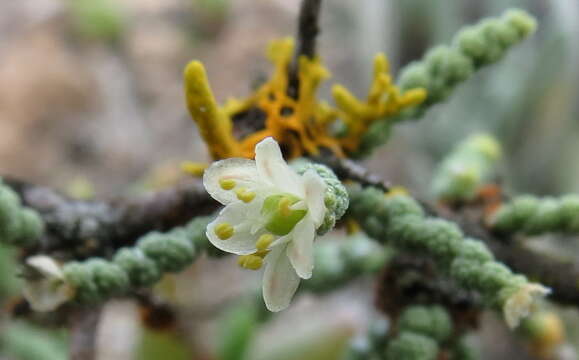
<point x="89" y="228"/>
<point x="83" y="334"/>
<point x="72" y="225"/>
<point x="308" y="28"/>
<point x="346" y="169"/>
<point x="410" y="279"/>
<point x="561" y="275"/>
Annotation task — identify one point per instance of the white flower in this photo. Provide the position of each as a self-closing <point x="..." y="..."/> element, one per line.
<point x="271" y="216"/>
<point x="47" y="289"/>
<point x="520" y="304"/>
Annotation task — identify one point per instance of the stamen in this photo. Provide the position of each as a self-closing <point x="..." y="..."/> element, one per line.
<point x="284" y="206"/>
<point x="264" y="241"/>
<point x="261" y="253"/>
<point x="244" y="195"/>
<point x="227" y="184"/>
<point x="224" y="231"/>
<point x="252" y="262"/>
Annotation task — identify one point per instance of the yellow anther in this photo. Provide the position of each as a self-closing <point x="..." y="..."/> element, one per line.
<point x="224" y="231"/>
<point x="264" y="241"/>
<point x="252" y="262"/>
<point x="244" y="195"/>
<point x="284" y="206"/>
<point x="261" y="253"/>
<point x="227" y="184"/>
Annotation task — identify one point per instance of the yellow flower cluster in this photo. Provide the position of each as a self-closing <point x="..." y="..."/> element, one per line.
<point x="299" y="122"/>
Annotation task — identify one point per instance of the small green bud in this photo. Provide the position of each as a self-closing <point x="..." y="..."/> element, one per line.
<point x="475" y="250"/>
<point x="495" y="50"/>
<point x="168" y="252"/>
<point x="523" y="22"/>
<point x="415" y="75"/>
<point x="443" y="241"/>
<point x="9" y="203"/>
<point x="463" y="351"/>
<point x="546" y="218"/>
<point x="31" y="226"/>
<point x="466" y="169"/>
<point x="493" y="276"/>
<point x="81" y="278"/>
<point x="109" y="278"/>
<point x="569" y="212"/>
<point x="403" y="232"/>
<point x="432" y="321"/>
<point x="471" y="42"/>
<point x="411" y="346"/>
<point x="141" y="270"/>
<point x="507" y="35"/>
<point x="402" y="205"/>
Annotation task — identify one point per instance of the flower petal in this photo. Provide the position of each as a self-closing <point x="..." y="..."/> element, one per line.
<point x="301" y="250"/>
<point x="243" y="217"/>
<point x="50" y="290"/>
<point x="47" y="294"/>
<point x="315" y="190"/>
<point x="272" y="167"/>
<point x="280" y="280"/>
<point x="242" y="171"/>
<point x="45" y="265"/>
<point x="520" y="304"/>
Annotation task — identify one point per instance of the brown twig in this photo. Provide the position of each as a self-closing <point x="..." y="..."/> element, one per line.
<point x="308" y="30"/>
<point x="561" y="275"/>
<point x="72" y="225"/>
<point x="83" y="332"/>
<point x="88" y="228"/>
<point x="346" y="169"/>
<point x="410" y="279"/>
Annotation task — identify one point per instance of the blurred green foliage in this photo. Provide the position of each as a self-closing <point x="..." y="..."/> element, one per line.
<point x="8" y="280"/>
<point x="237" y="330"/>
<point x="23" y="341"/>
<point x="214" y="6"/>
<point x="98" y="19"/>
<point x="526" y="100"/>
<point x="156" y="345"/>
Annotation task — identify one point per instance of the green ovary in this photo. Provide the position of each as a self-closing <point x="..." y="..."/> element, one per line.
<point x="281" y="219"/>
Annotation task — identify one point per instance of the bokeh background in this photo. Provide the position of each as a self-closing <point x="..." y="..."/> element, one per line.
<point x="91" y="103"/>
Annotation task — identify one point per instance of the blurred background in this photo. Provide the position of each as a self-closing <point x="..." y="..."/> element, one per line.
<point x="91" y="103"/>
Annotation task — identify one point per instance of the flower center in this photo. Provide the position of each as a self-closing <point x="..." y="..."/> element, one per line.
<point x="281" y="218"/>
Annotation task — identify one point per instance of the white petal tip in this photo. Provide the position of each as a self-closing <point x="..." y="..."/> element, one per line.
<point x="521" y="304"/>
<point x="48" y="290"/>
<point x="276" y="309"/>
<point x="268" y="141"/>
<point x="305" y="276"/>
